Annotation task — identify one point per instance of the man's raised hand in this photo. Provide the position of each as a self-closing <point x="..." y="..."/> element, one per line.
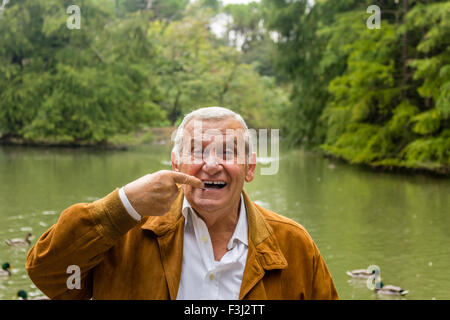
<point x="153" y="194"/>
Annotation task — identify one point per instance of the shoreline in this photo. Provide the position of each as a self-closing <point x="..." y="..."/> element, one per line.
<point x="441" y="172"/>
<point x="156" y="135"/>
<point x="19" y="142"/>
<point x="162" y="136"/>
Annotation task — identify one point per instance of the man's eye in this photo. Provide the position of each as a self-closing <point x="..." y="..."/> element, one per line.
<point x="228" y="153"/>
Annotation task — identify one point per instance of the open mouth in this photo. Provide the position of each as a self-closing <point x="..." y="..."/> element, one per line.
<point x="214" y="184"/>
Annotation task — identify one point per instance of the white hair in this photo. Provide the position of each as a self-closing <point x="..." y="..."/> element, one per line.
<point x="209" y="113"/>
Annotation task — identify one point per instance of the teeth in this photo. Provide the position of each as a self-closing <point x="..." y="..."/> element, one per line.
<point x="215" y="182"/>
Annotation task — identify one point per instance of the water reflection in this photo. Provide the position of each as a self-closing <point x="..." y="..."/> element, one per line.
<point x="356" y="217"/>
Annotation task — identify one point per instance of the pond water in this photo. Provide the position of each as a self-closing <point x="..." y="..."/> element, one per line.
<point x="357" y="217"/>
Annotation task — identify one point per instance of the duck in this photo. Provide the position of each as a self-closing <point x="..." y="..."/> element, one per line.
<point x="23" y="295"/>
<point x="5" y="271"/>
<point x="381" y="288"/>
<point x="17" y="242"/>
<point x="361" y="273"/>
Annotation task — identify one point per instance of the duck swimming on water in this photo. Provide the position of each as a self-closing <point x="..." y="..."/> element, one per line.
<point x="379" y="287"/>
<point x="5" y="270"/>
<point x="389" y="290"/>
<point x="18" y="242"/>
<point x="24" y="296"/>
<point x="361" y="273"/>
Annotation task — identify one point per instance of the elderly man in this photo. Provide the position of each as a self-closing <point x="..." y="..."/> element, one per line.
<point x="189" y="233"/>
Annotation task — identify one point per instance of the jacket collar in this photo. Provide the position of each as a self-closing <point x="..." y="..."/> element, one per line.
<point x="263" y="238"/>
<point x="264" y="252"/>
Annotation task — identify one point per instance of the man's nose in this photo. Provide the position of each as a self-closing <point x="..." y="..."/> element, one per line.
<point x="212" y="164"/>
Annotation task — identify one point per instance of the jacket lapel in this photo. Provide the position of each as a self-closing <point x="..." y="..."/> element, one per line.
<point x="253" y="273"/>
<point x="263" y="254"/>
<point x="169" y="230"/>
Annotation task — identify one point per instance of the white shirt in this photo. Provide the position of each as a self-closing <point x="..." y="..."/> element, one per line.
<point x="203" y="278"/>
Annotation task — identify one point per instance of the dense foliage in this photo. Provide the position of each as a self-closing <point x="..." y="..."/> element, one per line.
<point x="379" y="97"/>
<point x="132" y="64"/>
<point x="370" y="96"/>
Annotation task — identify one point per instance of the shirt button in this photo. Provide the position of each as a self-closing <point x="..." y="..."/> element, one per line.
<point x="211" y="277"/>
<point x="204" y="239"/>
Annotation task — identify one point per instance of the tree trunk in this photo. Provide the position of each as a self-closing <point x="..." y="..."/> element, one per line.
<point x="116" y="8"/>
<point x="175" y="113"/>
<point x="149" y="4"/>
<point x="404" y="52"/>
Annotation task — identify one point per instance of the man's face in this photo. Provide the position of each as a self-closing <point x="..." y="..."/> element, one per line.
<point x="213" y="152"/>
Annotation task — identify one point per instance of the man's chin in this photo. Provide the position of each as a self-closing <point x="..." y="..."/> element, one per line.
<point x="210" y="200"/>
<point x="208" y="205"/>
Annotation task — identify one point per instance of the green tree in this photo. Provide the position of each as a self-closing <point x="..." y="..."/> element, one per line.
<point x="128" y="67"/>
<point x="377" y="97"/>
<point x="380" y="115"/>
<point x="301" y="45"/>
<point x="198" y="71"/>
<point x="61" y="85"/>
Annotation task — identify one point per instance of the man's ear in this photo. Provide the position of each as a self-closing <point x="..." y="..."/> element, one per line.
<point x="174" y="162"/>
<point x="251" y="166"/>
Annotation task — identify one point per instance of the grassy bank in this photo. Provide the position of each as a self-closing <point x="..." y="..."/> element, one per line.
<point x="159" y="135"/>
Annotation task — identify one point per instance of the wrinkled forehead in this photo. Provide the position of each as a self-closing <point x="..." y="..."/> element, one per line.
<point x="213" y="130"/>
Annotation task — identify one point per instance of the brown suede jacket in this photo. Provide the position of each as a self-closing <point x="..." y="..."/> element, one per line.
<point x="120" y="258"/>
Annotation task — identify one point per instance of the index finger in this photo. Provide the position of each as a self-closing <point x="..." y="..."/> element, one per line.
<point x="183" y="178"/>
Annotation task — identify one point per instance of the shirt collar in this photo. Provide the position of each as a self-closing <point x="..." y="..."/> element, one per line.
<point x="241" y="230"/>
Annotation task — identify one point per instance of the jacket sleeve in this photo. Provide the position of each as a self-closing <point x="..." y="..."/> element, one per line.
<point x="81" y="237"/>
<point x="323" y="285"/>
